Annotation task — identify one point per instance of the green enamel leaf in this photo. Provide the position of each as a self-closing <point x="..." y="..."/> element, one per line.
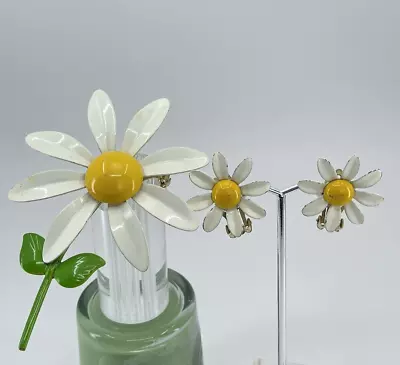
<point x="77" y="269"/>
<point x="30" y="257"/>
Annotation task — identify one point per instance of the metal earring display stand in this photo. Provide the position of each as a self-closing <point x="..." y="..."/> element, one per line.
<point x="281" y="271"/>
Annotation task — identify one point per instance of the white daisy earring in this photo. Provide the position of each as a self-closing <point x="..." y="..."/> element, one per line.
<point x="113" y="178"/>
<point x="336" y="194"/>
<point x="229" y="198"/>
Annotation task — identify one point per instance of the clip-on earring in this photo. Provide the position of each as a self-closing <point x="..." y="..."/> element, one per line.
<point x="336" y="194"/>
<point x="230" y="199"/>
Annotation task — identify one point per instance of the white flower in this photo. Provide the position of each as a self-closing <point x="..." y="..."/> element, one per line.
<point x="227" y="195"/>
<point x="338" y="191"/>
<point x="113" y="178"/>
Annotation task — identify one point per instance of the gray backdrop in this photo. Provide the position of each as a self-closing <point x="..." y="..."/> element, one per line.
<point x="284" y="82"/>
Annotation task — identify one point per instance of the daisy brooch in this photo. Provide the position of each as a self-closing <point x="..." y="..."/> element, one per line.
<point x="113" y="178"/>
<point x="229" y="198"/>
<point x="338" y="192"/>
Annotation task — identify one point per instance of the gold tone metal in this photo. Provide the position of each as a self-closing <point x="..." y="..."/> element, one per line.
<point x="321" y="220"/>
<point x="164" y="180"/>
<point x="247" y="224"/>
<point x="339" y="172"/>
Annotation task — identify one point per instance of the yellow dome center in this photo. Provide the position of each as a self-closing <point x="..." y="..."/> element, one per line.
<point x="339" y="192"/>
<point x="226" y="194"/>
<point x="114" y="177"/>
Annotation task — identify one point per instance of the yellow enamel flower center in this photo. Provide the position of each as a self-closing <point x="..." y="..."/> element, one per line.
<point x="114" y="177"/>
<point x="339" y="192"/>
<point x="226" y="194"/>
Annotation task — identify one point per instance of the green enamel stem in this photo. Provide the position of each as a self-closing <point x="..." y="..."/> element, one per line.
<point x="37" y="305"/>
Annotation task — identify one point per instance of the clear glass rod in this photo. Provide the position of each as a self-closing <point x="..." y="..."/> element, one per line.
<point x="126" y="294"/>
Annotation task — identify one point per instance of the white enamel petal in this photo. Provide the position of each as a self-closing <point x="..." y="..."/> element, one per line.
<point x="252" y="209"/>
<point x="351" y="169"/>
<point x="167" y="207"/>
<point x="202" y="180"/>
<point x="47" y="184"/>
<point x="354" y="213"/>
<point x="333" y="218"/>
<point x="315" y="207"/>
<point x="235" y="223"/>
<point x="311" y="187"/>
<point x="326" y="170"/>
<point x="220" y="166"/>
<point x="143" y="125"/>
<point x="242" y="171"/>
<point x="67" y="226"/>
<point x="128" y="234"/>
<point x="173" y="160"/>
<point x="200" y="202"/>
<point x="368" y="199"/>
<point x="60" y="145"/>
<point x="256" y="188"/>
<point x="102" y="121"/>
<point x="368" y="180"/>
<point x="212" y="219"/>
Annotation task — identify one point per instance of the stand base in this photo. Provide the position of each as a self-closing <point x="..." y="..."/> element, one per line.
<point x="171" y="338"/>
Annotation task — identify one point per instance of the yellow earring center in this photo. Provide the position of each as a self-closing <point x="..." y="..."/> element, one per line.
<point x="226" y="194"/>
<point x="114" y="177"/>
<point x="339" y="192"/>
